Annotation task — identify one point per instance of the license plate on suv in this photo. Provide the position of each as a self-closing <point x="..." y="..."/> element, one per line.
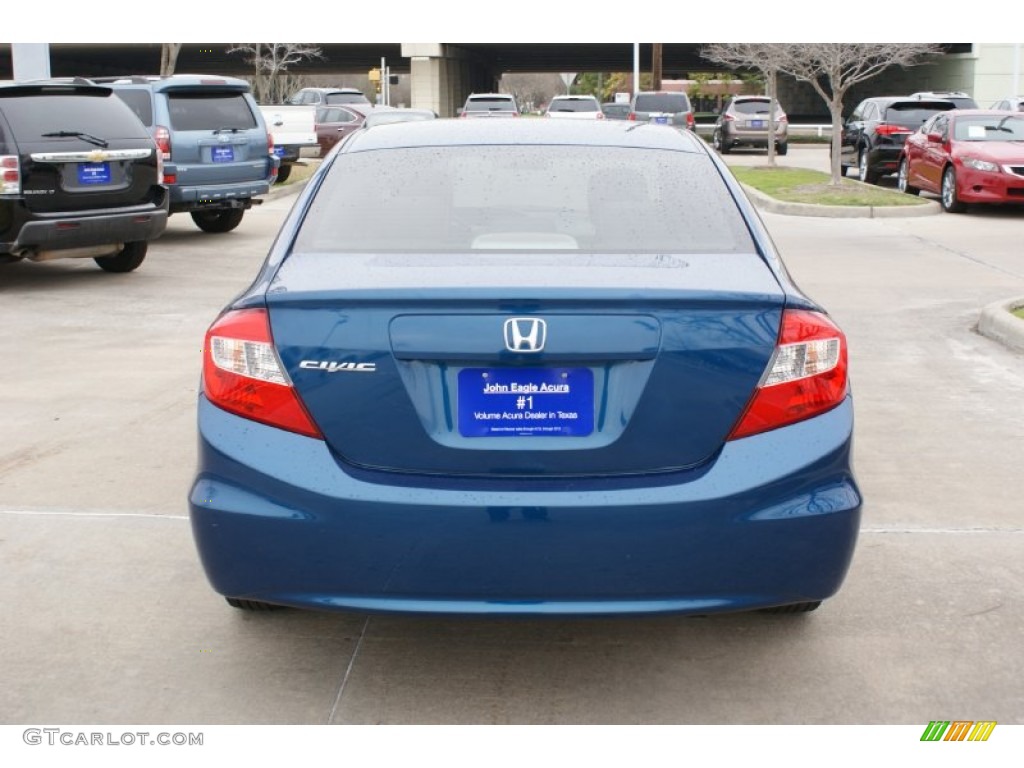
<point x="222" y="154"/>
<point x="511" y="402"/>
<point x="93" y="173"/>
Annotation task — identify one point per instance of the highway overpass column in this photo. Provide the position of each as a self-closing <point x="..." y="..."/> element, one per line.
<point x="442" y="76"/>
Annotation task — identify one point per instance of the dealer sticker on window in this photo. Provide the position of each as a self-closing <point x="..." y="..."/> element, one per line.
<point x="511" y="402"/>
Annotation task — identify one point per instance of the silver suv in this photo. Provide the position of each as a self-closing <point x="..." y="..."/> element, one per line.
<point x="490" y="105"/>
<point x="744" y="123"/>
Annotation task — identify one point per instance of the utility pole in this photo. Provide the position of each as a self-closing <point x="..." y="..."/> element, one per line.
<point x="656" y="67"/>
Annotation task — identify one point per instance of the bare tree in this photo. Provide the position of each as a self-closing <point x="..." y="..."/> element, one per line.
<point x="832" y="68"/>
<point x="765" y="58"/>
<point x="271" y="81"/>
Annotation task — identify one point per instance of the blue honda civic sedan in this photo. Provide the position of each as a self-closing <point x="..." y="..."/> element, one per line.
<point x="524" y="367"/>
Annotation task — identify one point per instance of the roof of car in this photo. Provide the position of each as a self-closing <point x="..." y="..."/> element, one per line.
<point x="517" y="132"/>
<point x="162" y="82"/>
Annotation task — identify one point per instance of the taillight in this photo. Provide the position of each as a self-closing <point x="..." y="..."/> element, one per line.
<point x="805" y="377"/>
<point x="600" y="115"/>
<point x="10" y="175"/>
<point x="783" y="119"/>
<point x="243" y="375"/>
<point x="163" y="141"/>
<point x="632" y="116"/>
<point x="159" y="166"/>
<point x="729" y="118"/>
<point x="690" y="121"/>
<point x="891" y="130"/>
<point x="270" y="152"/>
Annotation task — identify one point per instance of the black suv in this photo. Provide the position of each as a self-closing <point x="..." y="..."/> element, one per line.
<point x="80" y="176"/>
<point x="873" y="136"/>
<point x="216" y="150"/>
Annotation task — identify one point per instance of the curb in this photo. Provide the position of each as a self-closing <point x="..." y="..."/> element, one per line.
<point x="997" y="323"/>
<point x="770" y="204"/>
<point x="286" y="190"/>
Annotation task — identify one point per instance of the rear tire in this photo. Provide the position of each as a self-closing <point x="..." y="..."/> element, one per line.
<point x="864" y="172"/>
<point x="902" y="178"/>
<point x="793" y="608"/>
<point x="127" y="260"/>
<point x="218" y="221"/>
<point x="251" y="605"/>
<point x="783" y="148"/>
<point x="283" y="173"/>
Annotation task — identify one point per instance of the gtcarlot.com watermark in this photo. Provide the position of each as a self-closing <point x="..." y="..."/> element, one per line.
<point x="58" y="736"/>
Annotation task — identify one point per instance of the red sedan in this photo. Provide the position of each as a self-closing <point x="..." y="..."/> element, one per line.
<point x="966" y="156"/>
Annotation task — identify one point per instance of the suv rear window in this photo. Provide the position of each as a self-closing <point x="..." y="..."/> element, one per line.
<point x="209" y="111"/>
<point x="662" y="102"/>
<point x="140" y="102"/>
<point x="751" y="107"/>
<point x="489" y="104"/>
<point x="911" y="114"/>
<point x="574" y="105"/>
<point x="102" y="116"/>
<point x="472" y="198"/>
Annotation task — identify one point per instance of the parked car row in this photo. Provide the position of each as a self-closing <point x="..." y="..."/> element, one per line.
<point x="939" y="142"/>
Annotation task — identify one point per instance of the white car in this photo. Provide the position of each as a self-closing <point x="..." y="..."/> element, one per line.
<point x="575" y="108"/>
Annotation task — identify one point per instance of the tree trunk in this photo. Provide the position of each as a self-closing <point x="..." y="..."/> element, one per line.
<point x="835" y="108"/>
<point x="772" y="101"/>
<point x="169" y="58"/>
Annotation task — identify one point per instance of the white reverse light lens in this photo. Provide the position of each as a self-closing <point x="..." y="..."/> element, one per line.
<point x="254" y="359"/>
<point x="800" y="361"/>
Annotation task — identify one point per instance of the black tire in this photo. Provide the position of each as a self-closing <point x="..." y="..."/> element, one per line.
<point x="251" y="605"/>
<point x="902" y="179"/>
<point x="127" y="260"/>
<point x="793" y="608"/>
<point x="723" y="147"/>
<point x="783" y="148"/>
<point x="283" y="173"/>
<point x="864" y="172"/>
<point x="949" y="198"/>
<point x="218" y="221"/>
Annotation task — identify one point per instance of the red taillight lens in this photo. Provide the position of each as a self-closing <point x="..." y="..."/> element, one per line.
<point x="10" y="175"/>
<point x="891" y="130"/>
<point x="806" y="375"/>
<point x="783" y="119"/>
<point x="242" y="373"/>
<point x="690" y="121"/>
<point x="163" y="141"/>
<point x="632" y="116"/>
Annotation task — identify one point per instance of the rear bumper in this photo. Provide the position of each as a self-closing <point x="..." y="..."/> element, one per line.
<point x="64" y="231"/>
<point x="774" y="521"/>
<point x="204" y="196"/>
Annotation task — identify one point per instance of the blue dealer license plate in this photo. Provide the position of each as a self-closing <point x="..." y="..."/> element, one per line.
<point x="509" y="402"/>
<point x="222" y="154"/>
<point x="94" y="173"/>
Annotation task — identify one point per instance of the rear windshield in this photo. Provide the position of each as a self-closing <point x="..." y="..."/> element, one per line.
<point x="574" y="105"/>
<point x="139" y="101"/>
<point x="912" y="114"/>
<point x="345" y="98"/>
<point x="485" y="105"/>
<point x="989" y="128"/>
<point x="662" y="102"/>
<point x="105" y="117"/>
<point x="209" y="111"/>
<point x="471" y="198"/>
<point x="756" y="107"/>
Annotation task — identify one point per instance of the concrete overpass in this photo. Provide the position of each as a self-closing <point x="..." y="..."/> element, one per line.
<point x="443" y="74"/>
